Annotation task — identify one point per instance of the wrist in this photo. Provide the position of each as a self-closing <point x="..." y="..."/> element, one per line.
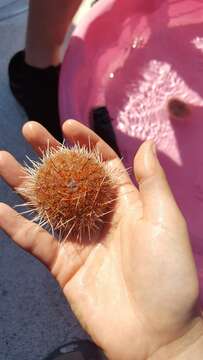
<point x="188" y="346"/>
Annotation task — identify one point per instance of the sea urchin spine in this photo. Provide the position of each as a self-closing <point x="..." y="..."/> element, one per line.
<point x="71" y="189"/>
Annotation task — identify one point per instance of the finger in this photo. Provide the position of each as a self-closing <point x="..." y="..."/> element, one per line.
<point x="10" y="170"/>
<point x="28" y="235"/>
<point x="38" y="136"/>
<point x="74" y="131"/>
<point x="158" y="201"/>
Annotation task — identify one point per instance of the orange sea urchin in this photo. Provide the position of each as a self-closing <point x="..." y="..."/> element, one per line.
<point x="71" y="189"/>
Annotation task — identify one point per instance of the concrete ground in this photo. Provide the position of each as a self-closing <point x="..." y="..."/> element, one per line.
<point x="34" y="317"/>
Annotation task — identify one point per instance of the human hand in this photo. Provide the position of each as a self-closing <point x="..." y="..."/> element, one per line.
<point x="135" y="292"/>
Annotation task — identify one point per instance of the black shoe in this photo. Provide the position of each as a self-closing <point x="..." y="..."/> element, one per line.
<point x="37" y="92"/>
<point x="77" y="350"/>
<point x="101" y="122"/>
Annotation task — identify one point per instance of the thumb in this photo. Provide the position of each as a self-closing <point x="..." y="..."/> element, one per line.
<point x="159" y="204"/>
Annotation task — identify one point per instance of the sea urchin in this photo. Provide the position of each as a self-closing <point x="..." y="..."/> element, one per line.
<point x="71" y="189"/>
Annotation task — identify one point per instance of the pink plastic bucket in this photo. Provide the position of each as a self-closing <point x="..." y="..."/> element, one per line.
<point x="136" y="57"/>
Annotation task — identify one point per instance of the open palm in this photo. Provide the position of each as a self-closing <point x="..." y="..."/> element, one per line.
<point x="135" y="290"/>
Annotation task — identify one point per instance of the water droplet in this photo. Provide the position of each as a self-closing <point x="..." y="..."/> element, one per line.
<point x="138" y="43"/>
<point x="111" y="75"/>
